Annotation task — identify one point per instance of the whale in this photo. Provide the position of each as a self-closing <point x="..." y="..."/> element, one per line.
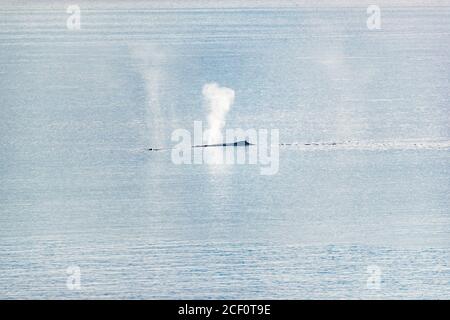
<point x="232" y="144"/>
<point x="242" y="143"/>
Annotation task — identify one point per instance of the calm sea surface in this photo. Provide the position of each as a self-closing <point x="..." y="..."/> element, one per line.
<point x="77" y="187"/>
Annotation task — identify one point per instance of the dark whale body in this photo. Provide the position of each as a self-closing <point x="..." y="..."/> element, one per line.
<point x="243" y="143"/>
<point x="232" y="144"/>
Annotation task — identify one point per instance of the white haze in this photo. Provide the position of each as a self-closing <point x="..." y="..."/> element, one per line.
<point x="218" y="101"/>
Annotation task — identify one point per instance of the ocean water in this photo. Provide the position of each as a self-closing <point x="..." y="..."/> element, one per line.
<point x="363" y="214"/>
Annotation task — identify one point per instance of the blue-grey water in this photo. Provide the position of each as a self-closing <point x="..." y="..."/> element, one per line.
<point x="78" y="188"/>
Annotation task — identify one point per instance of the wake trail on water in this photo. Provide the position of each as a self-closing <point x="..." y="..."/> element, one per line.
<point x="371" y="145"/>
